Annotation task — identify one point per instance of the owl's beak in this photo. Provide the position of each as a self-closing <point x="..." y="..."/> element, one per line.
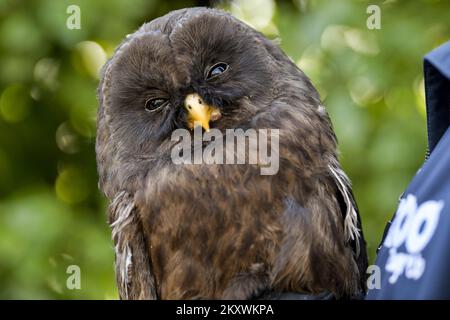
<point x="200" y="113"/>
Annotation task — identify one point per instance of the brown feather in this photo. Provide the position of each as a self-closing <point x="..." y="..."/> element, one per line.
<point x="222" y="231"/>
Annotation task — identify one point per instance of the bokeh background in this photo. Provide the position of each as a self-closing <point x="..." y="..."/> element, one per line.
<point x="51" y="212"/>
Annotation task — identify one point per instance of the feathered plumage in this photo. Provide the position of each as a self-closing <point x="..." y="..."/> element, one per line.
<point x="221" y="231"/>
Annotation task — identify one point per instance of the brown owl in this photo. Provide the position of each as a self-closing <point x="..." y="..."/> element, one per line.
<point x="221" y="231"/>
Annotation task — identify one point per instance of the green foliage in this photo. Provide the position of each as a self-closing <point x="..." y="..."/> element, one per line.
<point x="51" y="214"/>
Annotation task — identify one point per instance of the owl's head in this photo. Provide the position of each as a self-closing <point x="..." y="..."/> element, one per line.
<point x="190" y="67"/>
<point x="193" y="65"/>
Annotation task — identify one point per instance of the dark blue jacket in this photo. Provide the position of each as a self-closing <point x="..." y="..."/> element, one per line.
<point x="414" y="257"/>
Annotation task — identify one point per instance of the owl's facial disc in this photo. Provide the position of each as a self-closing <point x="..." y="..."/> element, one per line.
<point x="199" y="112"/>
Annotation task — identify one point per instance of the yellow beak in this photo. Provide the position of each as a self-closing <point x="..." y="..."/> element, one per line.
<point x="200" y="113"/>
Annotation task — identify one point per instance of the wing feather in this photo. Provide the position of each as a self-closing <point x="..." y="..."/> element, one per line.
<point x="352" y="220"/>
<point x="133" y="269"/>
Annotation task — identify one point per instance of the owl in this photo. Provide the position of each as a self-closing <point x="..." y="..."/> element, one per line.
<point x="221" y="231"/>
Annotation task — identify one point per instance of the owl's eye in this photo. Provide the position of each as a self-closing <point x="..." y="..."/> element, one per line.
<point x="217" y="69"/>
<point x="155" y="104"/>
